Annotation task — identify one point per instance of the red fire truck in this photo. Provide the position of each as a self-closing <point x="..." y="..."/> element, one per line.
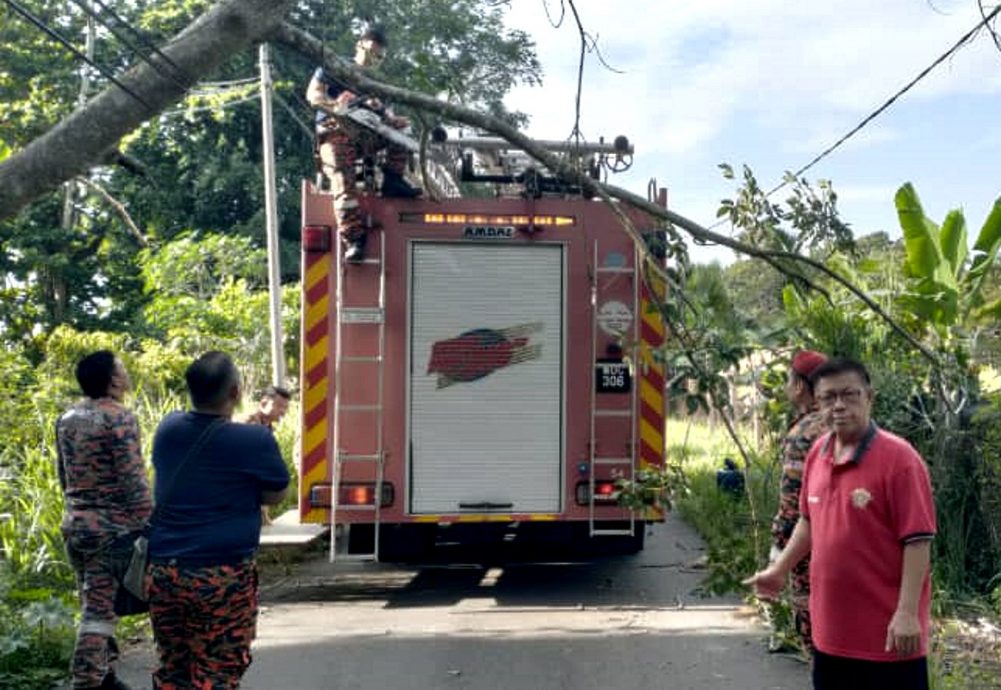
<point x="487" y="372"/>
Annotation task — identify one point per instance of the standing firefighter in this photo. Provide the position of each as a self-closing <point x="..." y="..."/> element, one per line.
<point x="212" y="477"/>
<point x="341" y="142"/>
<point x="106" y="493"/>
<point x="808" y="426"/>
<point x="270" y="409"/>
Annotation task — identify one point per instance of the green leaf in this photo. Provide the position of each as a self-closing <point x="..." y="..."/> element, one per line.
<point x="870" y="266"/>
<point x="990" y="311"/>
<point x="921" y="238"/>
<point x="985" y="250"/>
<point x="953" y="240"/>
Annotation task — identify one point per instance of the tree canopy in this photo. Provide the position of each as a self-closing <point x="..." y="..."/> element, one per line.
<point x="200" y="155"/>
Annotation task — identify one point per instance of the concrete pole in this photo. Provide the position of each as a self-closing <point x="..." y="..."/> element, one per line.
<point x="271" y="215"/>
<point x="70" y="189"/>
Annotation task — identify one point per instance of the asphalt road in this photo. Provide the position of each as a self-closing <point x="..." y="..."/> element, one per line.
<point x="614" y="623"/>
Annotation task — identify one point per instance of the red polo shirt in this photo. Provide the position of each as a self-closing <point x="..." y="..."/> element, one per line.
<point x="861" y="515"/>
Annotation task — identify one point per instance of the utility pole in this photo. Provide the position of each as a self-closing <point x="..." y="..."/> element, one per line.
<point x="71" y="190"/>
<point x="271" y="215"/>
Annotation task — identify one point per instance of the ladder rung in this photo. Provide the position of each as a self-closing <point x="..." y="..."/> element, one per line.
<point x="361" y="315"/>
<point x="355" y="557"/>
<point x="356" y="509"/>
<point x="361" y="359"/>
<point x="359" y="457"/>
<point x="611" y="461"/>
<point x="611" y="532"/>
<point x="613" y="413"/>
<point x="360" y="408"/>
<point x="616" y="269"/>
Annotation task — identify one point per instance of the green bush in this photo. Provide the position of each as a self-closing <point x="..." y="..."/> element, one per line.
<point x="36" y="637"/>
<point x="988" y="482"/>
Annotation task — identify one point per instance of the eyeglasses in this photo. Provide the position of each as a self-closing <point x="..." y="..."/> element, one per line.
<point x="849" y="396"/>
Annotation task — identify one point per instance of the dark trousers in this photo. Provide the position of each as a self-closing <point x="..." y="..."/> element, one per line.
<point x="842" y="673"/>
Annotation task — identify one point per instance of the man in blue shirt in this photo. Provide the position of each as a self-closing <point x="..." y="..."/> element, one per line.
<point x="212" y="477"/>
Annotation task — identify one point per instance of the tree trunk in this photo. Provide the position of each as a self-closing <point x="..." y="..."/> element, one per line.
<point x="79" y="141"/>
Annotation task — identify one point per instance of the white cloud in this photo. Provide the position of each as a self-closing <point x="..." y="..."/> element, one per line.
<point x="771" y="83"/>
<point x="693" y="66"/>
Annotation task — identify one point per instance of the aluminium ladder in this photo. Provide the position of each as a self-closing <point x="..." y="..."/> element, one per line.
<point x="358" y="316"/>
<point x="628" y="463"/>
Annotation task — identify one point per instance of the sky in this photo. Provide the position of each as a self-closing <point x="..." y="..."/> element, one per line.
<point x="771" y="84"/>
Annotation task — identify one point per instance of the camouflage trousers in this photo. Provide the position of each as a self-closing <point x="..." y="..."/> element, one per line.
<point x="340" y="148"/>
<point x="95" y="648"/>
<point x="799" y="598"/>
<point x="204" y="620"/>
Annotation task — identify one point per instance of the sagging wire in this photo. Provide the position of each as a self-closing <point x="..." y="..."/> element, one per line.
<point x="986" y="24"/>
<point x="128" y="44"/>
<point x="55" y="35"/>
<point x="202" y="109"/>
<point x="142" y="38"/>
<point x="966" y="38"/>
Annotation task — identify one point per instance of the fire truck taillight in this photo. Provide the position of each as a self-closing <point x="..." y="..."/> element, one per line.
<point x="351" y="494"/>
<point x="483" y="219"/>
<point x="316" y="238"/>
<point x="605" y="491"/>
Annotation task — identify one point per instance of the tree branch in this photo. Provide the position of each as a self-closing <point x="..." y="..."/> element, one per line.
<point x="119" y="209"/>
<point x="80" y="140"/>
<point x="306" y="44"/>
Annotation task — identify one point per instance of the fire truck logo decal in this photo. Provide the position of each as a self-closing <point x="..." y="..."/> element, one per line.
<point x="480" y="352"/>
<point x="488" y="232"/>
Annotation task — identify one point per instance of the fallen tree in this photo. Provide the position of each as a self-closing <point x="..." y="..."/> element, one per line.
<point x="787" y="262"/>
<point x="91" y="133"/>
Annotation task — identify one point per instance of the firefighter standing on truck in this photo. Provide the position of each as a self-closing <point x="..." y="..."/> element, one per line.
<point x="340" y="143"/>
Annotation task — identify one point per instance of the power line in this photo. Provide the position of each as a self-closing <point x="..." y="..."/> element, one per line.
<point x="131" y="46"/>
<point x="206" y="108"/>
<point x="142" y="37"/>
<point x="55" y="35"/>
<point x="876" y="113"/>
<point x="225" y="84"/>
<point x="295" y="116"/>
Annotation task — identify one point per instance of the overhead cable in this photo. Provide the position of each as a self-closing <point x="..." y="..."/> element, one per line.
<point x="876" y="113"/>
<point x="55" y="35"/>
<point x="131" y="46"/>
<point x="144" y="39"/>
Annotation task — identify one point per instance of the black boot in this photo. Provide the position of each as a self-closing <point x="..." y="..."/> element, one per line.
<point x="393" y="185"/>
<point x="354" y="251"/>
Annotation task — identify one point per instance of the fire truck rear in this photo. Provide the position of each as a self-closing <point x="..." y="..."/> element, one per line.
<point x="488" y="371"/>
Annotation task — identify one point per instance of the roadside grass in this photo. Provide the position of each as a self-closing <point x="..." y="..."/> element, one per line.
<point x="966" y="640"/>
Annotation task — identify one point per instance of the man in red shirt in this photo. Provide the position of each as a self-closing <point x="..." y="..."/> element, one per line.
<point x="867" y="522"/>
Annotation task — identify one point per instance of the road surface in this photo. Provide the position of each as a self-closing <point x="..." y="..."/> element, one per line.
<point x="609" y="624"/>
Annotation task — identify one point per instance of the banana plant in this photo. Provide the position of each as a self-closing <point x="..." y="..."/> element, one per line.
<point x="946" y="280"/>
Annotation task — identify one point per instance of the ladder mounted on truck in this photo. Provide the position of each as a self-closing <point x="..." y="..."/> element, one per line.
<point x="358" y="316"/>
<point x="495" y="160"/>
<point x="623" y="465"/>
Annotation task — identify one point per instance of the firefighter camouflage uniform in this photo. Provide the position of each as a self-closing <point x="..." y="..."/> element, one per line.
<point x="206" y="619"/>
<point x="796" y="444"/>
<point x="341" y="144"/>
<point x="106" y="495"/>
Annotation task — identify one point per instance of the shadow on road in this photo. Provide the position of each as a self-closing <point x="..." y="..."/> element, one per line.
<point x="518" y="579"/>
